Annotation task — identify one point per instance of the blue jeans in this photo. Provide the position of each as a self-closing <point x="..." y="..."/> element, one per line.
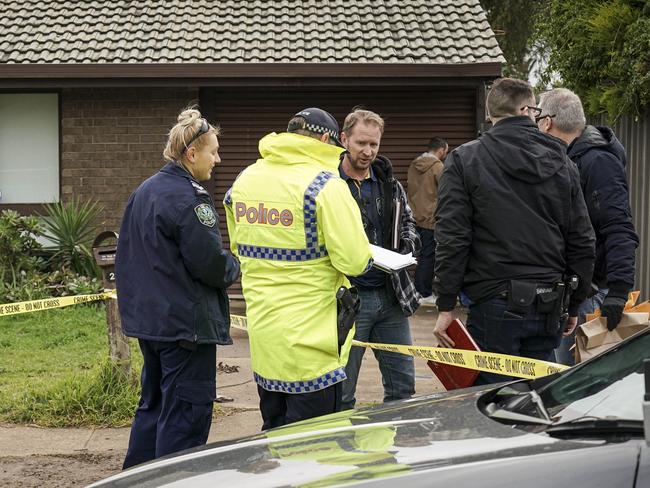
<point x="496" y="330"/>
<point x="426" y="262"/>
<point x="381" y="320"/>
<point x="563" y="355"/>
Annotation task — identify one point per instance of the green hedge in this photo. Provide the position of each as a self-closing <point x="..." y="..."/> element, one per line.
<point x="601" y="50"/>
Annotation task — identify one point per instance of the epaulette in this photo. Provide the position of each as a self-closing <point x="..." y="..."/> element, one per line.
<point x="199" y="189"/>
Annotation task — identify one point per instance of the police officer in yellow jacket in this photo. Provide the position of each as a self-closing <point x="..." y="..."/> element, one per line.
<point x="298" y="233"/>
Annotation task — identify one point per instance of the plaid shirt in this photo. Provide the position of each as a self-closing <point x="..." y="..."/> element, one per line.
<point x="407" y="295"/>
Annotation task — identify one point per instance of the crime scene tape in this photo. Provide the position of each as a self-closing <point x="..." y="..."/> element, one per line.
<point x="482" y="361"/>
<point x="489" y="362"/>
<point x="49" y="303"/>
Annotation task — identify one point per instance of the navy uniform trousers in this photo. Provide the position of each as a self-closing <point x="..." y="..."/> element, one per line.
<point x="279" y="408"/>
<point x="175" y="410"/>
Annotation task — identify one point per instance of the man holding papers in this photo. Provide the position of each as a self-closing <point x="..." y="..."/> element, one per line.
<point x="387" y="299"/>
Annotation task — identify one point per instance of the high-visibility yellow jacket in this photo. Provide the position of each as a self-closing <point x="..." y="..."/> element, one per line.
<point x="297" y="232"/>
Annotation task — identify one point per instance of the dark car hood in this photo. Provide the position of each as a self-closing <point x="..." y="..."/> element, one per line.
<point x="409" y="438"/>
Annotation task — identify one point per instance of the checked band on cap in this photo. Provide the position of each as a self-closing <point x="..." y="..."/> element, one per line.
<point x="320" y="122"/>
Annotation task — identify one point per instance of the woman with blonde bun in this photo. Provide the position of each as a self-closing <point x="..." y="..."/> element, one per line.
<point x="172" y="273"/>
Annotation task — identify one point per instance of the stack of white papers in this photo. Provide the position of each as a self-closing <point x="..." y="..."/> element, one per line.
<point x="389" y="261"/>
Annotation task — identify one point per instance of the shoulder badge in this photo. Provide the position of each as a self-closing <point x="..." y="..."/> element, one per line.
<point x="199" y="189"/>
<point x="205" y="214"/>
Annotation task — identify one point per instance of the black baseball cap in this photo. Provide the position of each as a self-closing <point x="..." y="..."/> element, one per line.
<point x="320" y="122"/>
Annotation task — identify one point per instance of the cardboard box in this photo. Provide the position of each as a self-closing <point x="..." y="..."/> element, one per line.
<point x="592" y="337"/>
<point x="641" y="307"/>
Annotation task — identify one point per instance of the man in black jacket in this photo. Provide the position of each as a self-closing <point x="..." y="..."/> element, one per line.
<point x="511" y="226"/>
<point x="386" y="300"/>
<point x="601" y="159"/>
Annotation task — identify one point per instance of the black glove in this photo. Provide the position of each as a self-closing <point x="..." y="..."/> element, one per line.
<point x="612" y="308"/>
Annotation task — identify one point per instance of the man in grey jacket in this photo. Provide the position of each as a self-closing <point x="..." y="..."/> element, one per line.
<point x="601" y="159"/>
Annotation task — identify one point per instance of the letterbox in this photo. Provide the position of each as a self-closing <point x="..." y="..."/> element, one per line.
<point x="105" y="256"/>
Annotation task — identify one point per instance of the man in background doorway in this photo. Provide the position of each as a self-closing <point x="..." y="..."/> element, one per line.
<point x="423" y="177"/>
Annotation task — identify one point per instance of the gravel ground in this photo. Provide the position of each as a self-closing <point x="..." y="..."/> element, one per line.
<point x="60" y="470"/>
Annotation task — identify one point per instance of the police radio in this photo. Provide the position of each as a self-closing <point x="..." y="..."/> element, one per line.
<point x="348" y="305"/>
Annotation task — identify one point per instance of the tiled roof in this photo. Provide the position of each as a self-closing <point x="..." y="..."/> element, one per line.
<point x="240" y="31"/>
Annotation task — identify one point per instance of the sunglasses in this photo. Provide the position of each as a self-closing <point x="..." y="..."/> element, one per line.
<point x="205" y="127"/>
<point x="541" y="117"/>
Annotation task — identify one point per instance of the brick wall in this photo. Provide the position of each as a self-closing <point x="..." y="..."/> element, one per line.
<point x="112" y="139"/>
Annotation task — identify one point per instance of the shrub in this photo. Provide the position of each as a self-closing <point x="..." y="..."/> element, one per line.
<point x="20" y="261"/>
<point x="83" y="285"/>
<point x="65" y="282"/>
<point x="70" y="227"/>
<point x="18" y="244"/>
<point x="23" y="287"/>
<point x="601" y="50"/>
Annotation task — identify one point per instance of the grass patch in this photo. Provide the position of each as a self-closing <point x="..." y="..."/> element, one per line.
<point x="102" y="397"/>
<point x="54" y="370"/>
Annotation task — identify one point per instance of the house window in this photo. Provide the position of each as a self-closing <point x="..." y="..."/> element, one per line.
<point x="29" y="148"/>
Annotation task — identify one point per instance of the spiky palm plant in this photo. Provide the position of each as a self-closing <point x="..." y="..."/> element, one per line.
<point x="71" y="228"/>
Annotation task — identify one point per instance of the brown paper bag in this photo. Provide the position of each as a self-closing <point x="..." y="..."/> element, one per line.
<point x="632" y="298"/>
<point x="592" y="337"/>
<point x="641" y="307"/>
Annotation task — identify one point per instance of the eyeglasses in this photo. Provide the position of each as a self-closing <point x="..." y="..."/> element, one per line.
<point x="536" y="110"/>
<point x="205" y="127"/>
<point x="541" y="117"/>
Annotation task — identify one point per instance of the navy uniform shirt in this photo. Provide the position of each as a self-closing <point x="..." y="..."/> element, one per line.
<point x="171" y="269"/>
<point x="368" y="196"/>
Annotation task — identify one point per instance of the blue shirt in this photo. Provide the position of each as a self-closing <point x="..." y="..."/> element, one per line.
<point x="367" y="193"/>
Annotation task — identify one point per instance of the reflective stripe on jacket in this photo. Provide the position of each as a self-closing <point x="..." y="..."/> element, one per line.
<point x="298" y="232"/>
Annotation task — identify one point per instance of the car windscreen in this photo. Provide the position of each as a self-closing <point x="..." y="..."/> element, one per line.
<point x="610" y="386"/>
